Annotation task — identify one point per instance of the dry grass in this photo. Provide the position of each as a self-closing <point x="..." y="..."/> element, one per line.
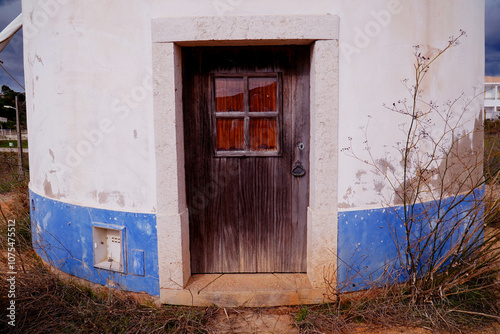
<point x="47" y="304"/>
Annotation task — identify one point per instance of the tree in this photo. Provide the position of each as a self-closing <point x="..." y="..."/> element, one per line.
<point x="8" y="98"/>
<point x="6" y="89"/>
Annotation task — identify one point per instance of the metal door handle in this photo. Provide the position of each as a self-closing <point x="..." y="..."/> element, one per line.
<point x="298" y="170"/>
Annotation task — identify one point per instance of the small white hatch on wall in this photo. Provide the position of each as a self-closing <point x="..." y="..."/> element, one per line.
<point x="109" y="247"/>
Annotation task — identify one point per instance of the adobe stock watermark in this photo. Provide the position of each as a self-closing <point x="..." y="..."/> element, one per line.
<point x="45" y="10"/>
<point x="11" y="272"/>
<point x="94" y="137"/>
<point x="40" y="17"/>
<point x="372" y="29"/>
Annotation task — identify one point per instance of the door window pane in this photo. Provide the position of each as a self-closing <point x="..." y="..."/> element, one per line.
<point x="230" y="134"/>
<point x="262" y="93"/>
<point x="229" y="94"/>
<point x="263" y="134"/>
<point x="247" y="130"/>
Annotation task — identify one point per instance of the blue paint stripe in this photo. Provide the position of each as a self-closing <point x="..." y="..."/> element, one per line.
<point x="367" y="239"/>
<point x="62" y="236"/>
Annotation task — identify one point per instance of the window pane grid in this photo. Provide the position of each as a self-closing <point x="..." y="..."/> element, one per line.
<point x="229" y="94"/>
<point x="247" y="115"/>
<point x="262" y="94"/>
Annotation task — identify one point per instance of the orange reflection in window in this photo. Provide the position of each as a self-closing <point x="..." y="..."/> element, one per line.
<point x="229" y="94"/>
<point x="262" y="94"/>
<point x="263" y="134"/>
<point x="230" y="134"/>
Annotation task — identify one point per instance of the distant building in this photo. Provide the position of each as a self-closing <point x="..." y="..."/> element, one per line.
<point x="491" y="97"/>
<point x="3" y="119"/>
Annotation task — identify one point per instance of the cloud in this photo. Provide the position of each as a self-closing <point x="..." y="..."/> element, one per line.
<point x="12" y="55"/>
<point x="492" y="38"/>
<point x="492" y="62"/>
<point x="10" y="9"/>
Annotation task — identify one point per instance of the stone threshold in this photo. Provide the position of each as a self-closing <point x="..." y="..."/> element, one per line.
<point x="245" y="290"/>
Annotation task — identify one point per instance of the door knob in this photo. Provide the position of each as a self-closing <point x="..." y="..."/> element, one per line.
<point x="298" y="170"/>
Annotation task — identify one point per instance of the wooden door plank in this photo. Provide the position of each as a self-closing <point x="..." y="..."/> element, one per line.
<point x="213" y="228"/>
<point x="300" y="186"/>
<point x="247" y="217"/>
<point x="264" y="195"/>
<point x="283" y="186"/>
<point x="212" y="182"/>
<point x="194" y="154"/>
<point x="229" y="189"/>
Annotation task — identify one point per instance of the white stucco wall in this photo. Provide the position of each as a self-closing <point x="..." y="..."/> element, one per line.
<point x="90" y="101"/>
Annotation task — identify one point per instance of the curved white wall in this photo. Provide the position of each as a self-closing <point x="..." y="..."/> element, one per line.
<point x="90" y="102"/>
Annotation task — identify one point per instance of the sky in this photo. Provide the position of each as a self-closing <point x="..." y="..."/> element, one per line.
<point x="12" y="55"/>
<point x="13" y="60"/>
<point x="492" y="37"/>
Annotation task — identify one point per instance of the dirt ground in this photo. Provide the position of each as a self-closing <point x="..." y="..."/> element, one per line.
<point x="280" y="320"/>
<point x="6" y="201"/>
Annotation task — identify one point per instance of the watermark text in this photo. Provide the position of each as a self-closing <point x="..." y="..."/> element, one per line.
<point x="11" y="272"/>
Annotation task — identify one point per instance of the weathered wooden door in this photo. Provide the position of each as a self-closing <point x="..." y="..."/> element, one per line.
<point x="246" y="138"/>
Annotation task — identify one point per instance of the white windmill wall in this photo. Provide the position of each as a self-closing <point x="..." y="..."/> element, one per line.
<point x="89" y="83"/>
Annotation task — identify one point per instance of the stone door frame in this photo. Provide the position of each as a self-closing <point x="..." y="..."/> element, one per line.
<point x="169" y="35"/>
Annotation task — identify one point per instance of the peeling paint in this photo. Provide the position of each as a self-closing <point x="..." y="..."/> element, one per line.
<point x="349" y="193"/>
<point x="47" y="187"/>
<point x="385" y="166"/>
<point x="347" y="196"/>
<point x="344" y="205"/>
<point x="459" y="170"/>
<point x="52" y="155"/>
<point x="39" y="59"/>
<point x="360" y="173"/>
<point x="378" y="186"/>
<point x="111" y="196"/>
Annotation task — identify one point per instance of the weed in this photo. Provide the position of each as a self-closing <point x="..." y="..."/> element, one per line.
<point x="445" y="273"/>
<point x="302" y="315"/>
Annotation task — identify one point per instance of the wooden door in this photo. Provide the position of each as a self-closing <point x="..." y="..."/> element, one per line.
<point x="246" y="137"/>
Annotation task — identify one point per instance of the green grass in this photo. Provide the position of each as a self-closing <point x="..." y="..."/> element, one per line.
<point x="5" y="143"/>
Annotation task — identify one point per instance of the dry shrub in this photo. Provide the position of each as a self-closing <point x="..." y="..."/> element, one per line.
<point x="463" y="299"/>
<point x="445" y="276"/>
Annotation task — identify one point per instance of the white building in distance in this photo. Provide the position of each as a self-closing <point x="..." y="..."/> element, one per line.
<point x="491" y="97"/>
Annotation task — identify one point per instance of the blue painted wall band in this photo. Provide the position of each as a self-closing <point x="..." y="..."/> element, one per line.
<point x="368" y="239"/>
<point x="62" y="236"/>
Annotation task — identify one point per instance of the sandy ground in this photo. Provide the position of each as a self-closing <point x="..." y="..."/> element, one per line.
<point x="281" y="321"/>
<point x="6" y="201"/>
